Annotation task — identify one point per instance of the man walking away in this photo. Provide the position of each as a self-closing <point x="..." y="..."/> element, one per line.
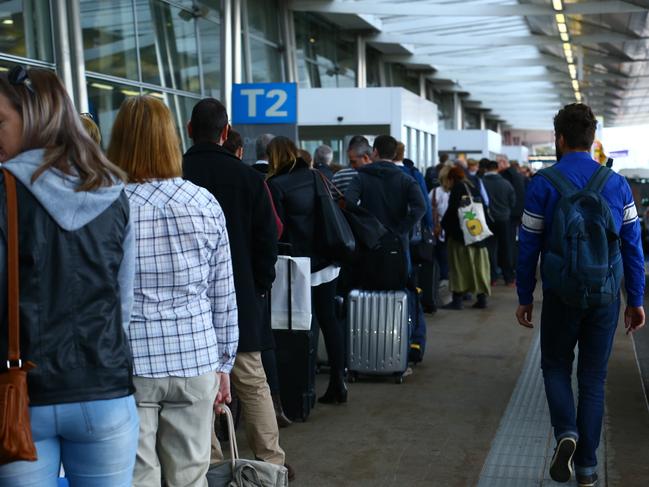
<point x="322" y="158"/>
<point x="518" y="182"/>
<point x="261" y="144"/>
<point x="253" y="240"/>
<point x="579" y="208"/>
<point x="359" y="154"/>
<point x="503" y="200"/>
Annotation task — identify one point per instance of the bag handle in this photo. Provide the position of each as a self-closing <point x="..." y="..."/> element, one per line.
<point x="559" y="181"/>
<point x="468" y="192"/>
<point x="599" y="179"/>
<point x="13" y="281"/>
<point x="234" y="448"/>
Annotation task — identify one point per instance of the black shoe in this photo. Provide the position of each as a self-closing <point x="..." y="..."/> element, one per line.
<point x="456" y="304"/>
<point x="587" y="480"/>
<point x="291" y="472"/>
<point x="334" y="395"/>
<point x="481" y="303"/>
<point x="414" y="354"/>
<point x="561" y="466"/>
<point x="467" y="296"/>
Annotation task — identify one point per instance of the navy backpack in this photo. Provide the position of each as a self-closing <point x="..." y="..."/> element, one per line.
<point x="583" y="262"/>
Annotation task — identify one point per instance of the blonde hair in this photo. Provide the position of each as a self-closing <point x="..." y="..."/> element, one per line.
<point x="144" y="141"/>
<point x="401" y="152"/>
<point x="50" y="122"/>
<point x="282" y="154"/>
<point x="91" y="128"/>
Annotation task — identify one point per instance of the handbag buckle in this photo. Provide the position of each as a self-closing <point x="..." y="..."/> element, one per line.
<point x="19" y="363"/>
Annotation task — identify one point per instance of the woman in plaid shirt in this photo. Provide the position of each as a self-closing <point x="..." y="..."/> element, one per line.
<point x="183" y="330"/>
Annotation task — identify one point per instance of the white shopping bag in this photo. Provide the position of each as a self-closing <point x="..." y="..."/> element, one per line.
<point x="290" y="296"/>
<point x="473" y="221"/>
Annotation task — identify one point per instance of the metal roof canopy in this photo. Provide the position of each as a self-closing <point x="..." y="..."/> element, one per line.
<point x="508" y="54"/>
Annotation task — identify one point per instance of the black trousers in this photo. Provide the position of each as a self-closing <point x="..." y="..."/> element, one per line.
<point x="501" y="251"/>
<point x="324" y="308"/>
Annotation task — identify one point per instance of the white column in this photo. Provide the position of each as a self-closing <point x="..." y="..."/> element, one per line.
<point x="361" y="62"/>
<point x="422" y="85"/>
<point x="458" y="119"/>
<point x="226" y="55"/>
<point x="78" y="59"/>
<point x="483" y="121"/>
<point x="237" y="48"/>
<point x="62" y="45"/>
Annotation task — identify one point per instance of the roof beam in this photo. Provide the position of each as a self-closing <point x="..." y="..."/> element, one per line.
<point x="498" y="41"/>
<point x="459" y="10"/>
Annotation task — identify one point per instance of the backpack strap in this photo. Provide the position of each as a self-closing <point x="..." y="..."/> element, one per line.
<point x="559" y="181"/>
<point x="599" y="179"/>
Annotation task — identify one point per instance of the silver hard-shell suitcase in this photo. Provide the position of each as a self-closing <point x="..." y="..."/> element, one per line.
<point x="378" y="333"/>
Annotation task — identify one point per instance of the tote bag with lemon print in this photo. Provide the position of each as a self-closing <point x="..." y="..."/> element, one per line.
<point x="472" y="220"/>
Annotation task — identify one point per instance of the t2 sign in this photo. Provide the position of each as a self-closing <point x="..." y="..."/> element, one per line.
<point x="264" y="103"/>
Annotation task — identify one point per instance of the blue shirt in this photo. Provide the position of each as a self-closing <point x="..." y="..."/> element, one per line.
<point x="540" y="201"/>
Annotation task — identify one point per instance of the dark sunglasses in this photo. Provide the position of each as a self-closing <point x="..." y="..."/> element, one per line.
<point x="18" y="76"/>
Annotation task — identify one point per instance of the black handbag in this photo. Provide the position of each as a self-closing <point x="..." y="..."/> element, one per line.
<point x="423" y="249"/>
<point x="337" y="239"/>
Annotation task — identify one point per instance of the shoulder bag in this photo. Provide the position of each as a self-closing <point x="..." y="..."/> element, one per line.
<point x="16" y="441"/>
<point x="473" y="221"/>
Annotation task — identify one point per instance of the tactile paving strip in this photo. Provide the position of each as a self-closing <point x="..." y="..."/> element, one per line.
<point x="522" y="449"/>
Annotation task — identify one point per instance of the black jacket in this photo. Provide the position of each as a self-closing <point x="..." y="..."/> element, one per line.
<point x="502" y="198"/>
<point x="251" y="229"/>
<point x="392" y="196"/>
<point x="70" y="307"/>
<point x="325" y="170"/>
<point x="451" y="220"/>
<point x="294" y="194"/>
<point x="517" y="180"/>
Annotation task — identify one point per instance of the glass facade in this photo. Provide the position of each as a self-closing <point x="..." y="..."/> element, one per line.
<point x="26" y="30"/>
<point x="263" y="58"/>
<point x="326" y="56"/>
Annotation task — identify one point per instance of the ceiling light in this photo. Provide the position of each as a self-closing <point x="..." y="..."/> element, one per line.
<point x="573" y="71"/>
<point x="100" y="86"/>
<point x="557" y="4"/>
<point x="561" y="19"/>
<point x="8" y="22"/>
<point x="578" y="97"/>
<point x="3" y="69"/>
<point x="565" y="37"/>
<point x="575" y="85"/>
<point x="562" y="27"/>
<point x="131" y="93"/>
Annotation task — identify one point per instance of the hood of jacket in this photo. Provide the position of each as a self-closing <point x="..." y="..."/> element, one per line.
<point x="381" y="168"/>
<point x="55" y="190"/>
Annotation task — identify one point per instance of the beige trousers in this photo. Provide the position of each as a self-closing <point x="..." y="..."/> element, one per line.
<point x="249" y="380"/>
<point x="175" y="420"/>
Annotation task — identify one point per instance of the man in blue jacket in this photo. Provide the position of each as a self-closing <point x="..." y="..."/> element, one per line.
<point x="577" y="430"/>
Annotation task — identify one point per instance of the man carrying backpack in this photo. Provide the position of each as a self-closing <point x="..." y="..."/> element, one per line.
<point x="581" y="218"/>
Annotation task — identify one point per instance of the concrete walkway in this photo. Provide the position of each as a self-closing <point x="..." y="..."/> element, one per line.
<point x="439" y="427"/>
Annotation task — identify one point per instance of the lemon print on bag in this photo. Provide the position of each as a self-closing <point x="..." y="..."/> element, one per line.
<point x="472" y="223"/>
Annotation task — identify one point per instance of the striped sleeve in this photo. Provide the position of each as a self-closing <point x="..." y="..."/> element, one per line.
<point x="533" y="222"/>
<point x="630" y="214"/>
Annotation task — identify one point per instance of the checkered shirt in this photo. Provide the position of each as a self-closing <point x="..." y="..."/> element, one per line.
<point x="184" y="319"/>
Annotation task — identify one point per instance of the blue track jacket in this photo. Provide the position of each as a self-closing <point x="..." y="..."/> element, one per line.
<point x="540" y="201"/>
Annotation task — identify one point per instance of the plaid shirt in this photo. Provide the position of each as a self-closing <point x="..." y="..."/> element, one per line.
<point x="184" y="319"/>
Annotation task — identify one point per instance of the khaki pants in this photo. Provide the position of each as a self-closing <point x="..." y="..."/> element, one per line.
<point x="175" y="420"/>
<point x="249" y="380"/>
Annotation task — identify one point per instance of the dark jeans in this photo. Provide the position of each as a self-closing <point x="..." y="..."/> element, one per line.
<point x="441" y="254"/>
<point x="324" y="308"/>
<point x="563" y="327"/>
<point x="500" y="250"/>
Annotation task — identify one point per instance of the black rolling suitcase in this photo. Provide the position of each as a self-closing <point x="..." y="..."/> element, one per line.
<point x="428" y="281"/>
<point x="296" y="354"/>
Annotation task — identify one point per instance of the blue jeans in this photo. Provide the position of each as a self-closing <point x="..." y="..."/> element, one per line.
<point x="563" y="327"/>
<point x="96" y="442"/>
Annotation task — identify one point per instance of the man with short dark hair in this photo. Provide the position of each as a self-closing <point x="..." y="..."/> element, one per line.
<point x="253" y="242"/>
<point x="585" y="314"/>
<point x="261" y="145"/>
<point x="502" y="200"/>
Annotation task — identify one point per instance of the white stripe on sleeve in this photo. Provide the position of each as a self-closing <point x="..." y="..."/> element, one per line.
<point x="533" y="223"/>
<point x="630" y="214"/>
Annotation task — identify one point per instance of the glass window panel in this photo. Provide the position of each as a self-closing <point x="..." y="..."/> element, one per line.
<point x="263" y="18"/>
<point x="26" y="29"/>
<point x="104" y="100"/>
<point x="210" y="39"/>
<point x="109" y="37"/>
<point x="266" y="62"/>
<point x="373" y="67"/>
<point x="168" y="47"/>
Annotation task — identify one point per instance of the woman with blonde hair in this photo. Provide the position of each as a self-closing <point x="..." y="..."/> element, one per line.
<point x="76" y="285"/>
<point x="293" y="186"/>
<point x="183" y="331"/>
<point x="468" y="264"/>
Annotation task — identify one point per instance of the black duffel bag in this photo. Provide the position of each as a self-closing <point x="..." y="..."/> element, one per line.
<point x="384" y="268"/>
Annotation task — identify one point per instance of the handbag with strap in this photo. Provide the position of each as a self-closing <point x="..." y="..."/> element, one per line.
<point x="16" y="441"/>
<point x="473" y="220"/>
<point x="244" y="473"/>
<point x="338" y="239"/>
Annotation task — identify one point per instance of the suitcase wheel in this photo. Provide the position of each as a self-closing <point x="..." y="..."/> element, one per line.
<point x="398" y="378"/>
